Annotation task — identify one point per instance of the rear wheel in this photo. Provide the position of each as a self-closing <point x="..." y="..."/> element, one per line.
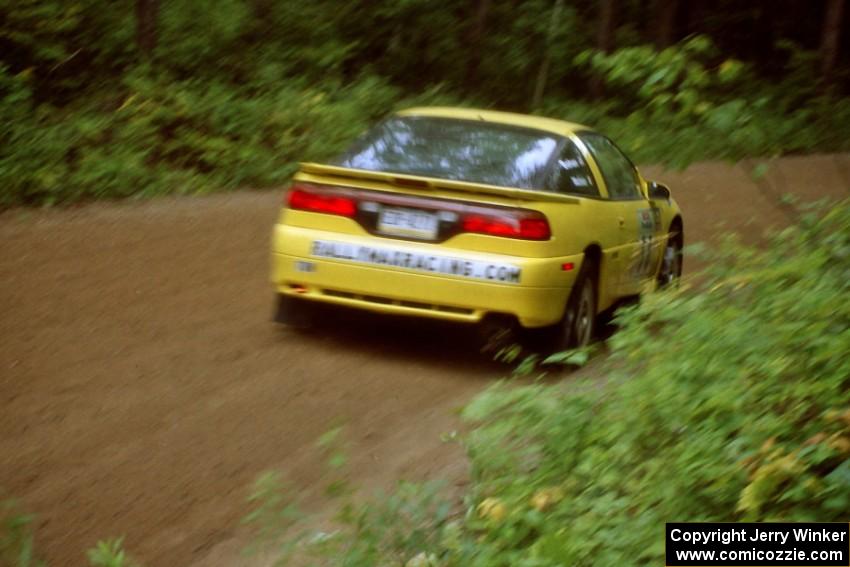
<point x="584" y="326"/>
<point x="578" y="325"/>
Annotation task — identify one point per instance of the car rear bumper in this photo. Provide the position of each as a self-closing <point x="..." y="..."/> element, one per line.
<point x="536" y="300"/>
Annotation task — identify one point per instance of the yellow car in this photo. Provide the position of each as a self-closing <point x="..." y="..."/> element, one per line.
<point x="476" y="216"/>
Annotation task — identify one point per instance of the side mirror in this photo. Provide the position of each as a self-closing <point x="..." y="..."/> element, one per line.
<point x="658" y="191"/>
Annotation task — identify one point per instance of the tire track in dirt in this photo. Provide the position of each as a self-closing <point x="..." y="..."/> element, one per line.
<point x="143" y="388"/>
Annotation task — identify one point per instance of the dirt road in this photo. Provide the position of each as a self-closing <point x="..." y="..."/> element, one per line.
<point x="143" y="388"/>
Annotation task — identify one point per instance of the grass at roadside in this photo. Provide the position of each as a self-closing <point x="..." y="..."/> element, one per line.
<point x="727" y="403"/>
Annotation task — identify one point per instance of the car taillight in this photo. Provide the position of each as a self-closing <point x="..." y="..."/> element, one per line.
<point x="523" y="225"/>
<point x="319" y="199"/>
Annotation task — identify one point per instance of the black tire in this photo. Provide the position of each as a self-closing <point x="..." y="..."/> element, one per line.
<point x="294" y="312"/>
<point x="670" y="271"/>
<point x="577" y="327"/>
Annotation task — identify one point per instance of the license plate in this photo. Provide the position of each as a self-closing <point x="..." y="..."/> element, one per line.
<point x="406" y="222"/>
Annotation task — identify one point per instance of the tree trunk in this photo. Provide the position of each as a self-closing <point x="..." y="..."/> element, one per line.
<point x="605" y="27"/>
<point x="147" y="13"/>
<point x="604" y="40"/>
<point x="543" y="72"/>
<point x="663" y="22"/>
<point x="476" y="37"/>
<point x="694" y="15"/>
<point x="830" y="40"/>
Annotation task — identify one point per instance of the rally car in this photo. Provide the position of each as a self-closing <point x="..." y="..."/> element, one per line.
<point x="476" y="216"/>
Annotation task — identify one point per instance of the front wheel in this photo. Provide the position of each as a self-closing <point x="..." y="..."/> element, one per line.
<point x="671" y="263"/>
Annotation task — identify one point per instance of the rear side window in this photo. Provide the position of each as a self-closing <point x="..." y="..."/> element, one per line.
<point x="460" y="150"/>
<point x="570" y="174"/>
<point x="620" y="175"/>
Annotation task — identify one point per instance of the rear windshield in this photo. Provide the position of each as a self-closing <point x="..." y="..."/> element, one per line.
<point x="460" y="150"/>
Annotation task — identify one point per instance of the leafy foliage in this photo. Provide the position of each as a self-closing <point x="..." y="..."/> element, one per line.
<point x="722" y="406"/>
<point x="16" y="541"/>
<point x="18" y="550"/>
<point x="109" y="553"/>
<point x="177" y="137"/>
<point x="364" y="531"/>
<point x="663" y="102"/>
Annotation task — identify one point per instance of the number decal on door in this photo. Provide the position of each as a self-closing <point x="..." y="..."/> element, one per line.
<point x="644" y="256"/>
<point x="645" y="259"/>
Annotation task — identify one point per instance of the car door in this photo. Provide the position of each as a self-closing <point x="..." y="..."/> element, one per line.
<point x="572" y="174"/>
<point x="630" y="209"/>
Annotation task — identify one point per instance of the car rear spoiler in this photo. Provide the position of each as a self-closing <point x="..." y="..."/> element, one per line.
<point x="421" y="182"/>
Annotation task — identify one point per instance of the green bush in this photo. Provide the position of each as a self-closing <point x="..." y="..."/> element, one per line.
<point x="687" y="103"/>
<point x="727" y="404"/>
<point x="166" y="136"/>
<point x="207" y="118"/>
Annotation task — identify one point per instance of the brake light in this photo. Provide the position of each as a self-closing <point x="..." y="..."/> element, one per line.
<point x="525" y="226"/>
<point x="318" y="199"/>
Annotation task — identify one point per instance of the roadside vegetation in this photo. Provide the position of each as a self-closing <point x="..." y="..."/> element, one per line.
<point x="145" y="98"/>
<point x="730" y="402"/>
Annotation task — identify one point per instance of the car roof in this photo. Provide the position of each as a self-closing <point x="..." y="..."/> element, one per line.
<point x="561" y="127"/>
